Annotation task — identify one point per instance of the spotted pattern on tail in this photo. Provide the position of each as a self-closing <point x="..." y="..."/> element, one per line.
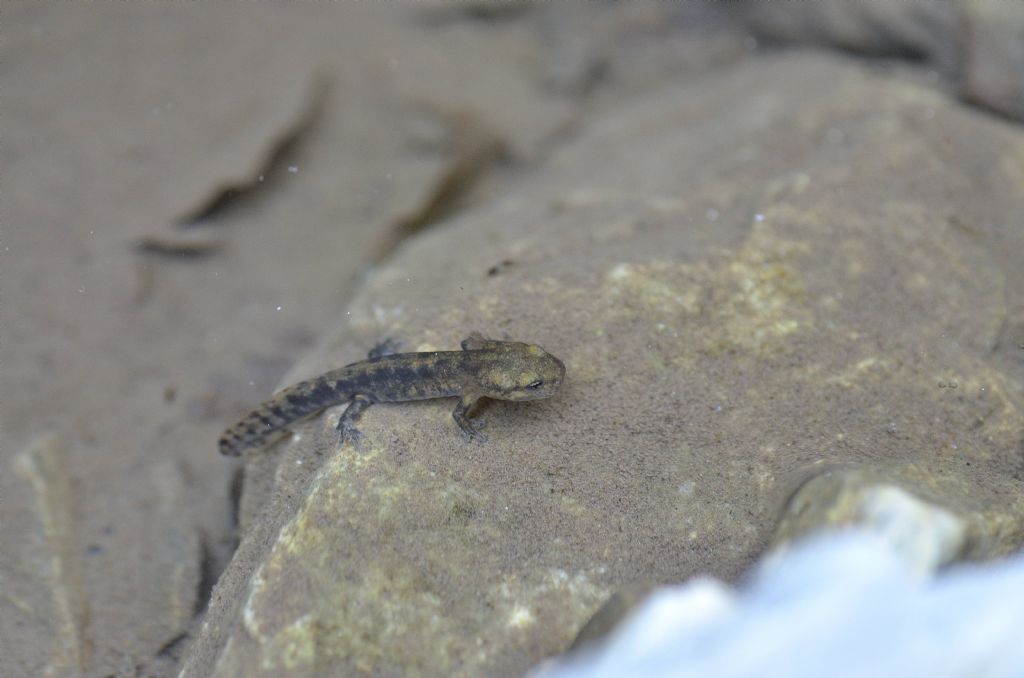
<point x="290" y="405"/>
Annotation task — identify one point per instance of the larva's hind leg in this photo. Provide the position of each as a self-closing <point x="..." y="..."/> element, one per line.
<point x="388" y="346"/>
<point x="347" y="424"/>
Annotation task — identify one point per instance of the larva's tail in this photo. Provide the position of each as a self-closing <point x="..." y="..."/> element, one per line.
<point x="296" y="402"/>
<point x="253" y="431"/>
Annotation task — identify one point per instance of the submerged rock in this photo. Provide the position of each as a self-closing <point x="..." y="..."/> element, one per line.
<point x="795" y="264"/>
<point x="925" y="534"/>
<point x="837" y="605"/>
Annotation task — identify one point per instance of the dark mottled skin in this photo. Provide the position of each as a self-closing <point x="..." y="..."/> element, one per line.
<point x="504" y="370"/>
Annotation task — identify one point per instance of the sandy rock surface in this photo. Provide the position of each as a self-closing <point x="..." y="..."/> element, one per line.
<point x="758" y="269"/>
<point x="828" y="291"/>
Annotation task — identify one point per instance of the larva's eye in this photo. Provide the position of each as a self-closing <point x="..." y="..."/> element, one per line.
<point x="536" y="383"/>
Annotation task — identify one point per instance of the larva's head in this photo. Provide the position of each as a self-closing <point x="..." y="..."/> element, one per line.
<point x="516" y="371"/>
